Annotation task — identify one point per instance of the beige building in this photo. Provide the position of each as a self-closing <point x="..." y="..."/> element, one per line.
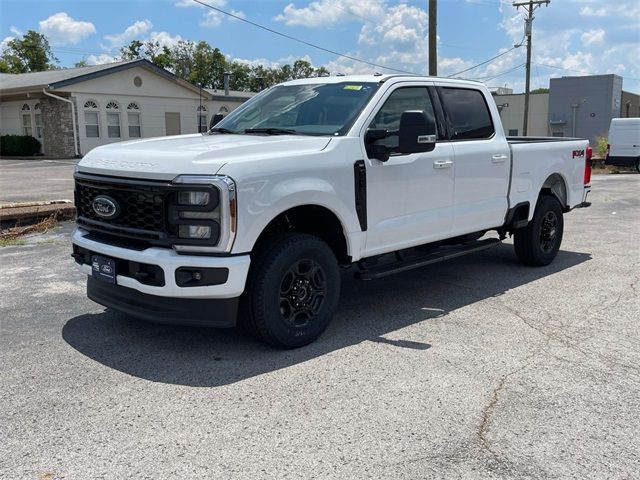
<point x="74" y="110"/>
<point x="512" y="113"/>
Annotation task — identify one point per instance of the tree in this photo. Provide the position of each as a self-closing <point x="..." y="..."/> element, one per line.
<point x="31" y="53"/>
<point x="540" y="90"/>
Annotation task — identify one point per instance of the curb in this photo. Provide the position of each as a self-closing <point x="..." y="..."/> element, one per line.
<point x="33" y="211"/>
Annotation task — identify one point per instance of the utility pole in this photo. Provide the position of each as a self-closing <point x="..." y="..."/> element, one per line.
<point x="531" y="6"/>
<point x="433" y="37"/>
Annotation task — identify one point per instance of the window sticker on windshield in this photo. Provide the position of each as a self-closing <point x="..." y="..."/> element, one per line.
<point x="353" y="87"/>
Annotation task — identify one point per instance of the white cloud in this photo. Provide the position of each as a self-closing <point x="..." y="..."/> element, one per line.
<point x="594" y="36"/>
<point x="165" y="39"/>
<point x="211" y="19"/>
<point x="5" y="43"/>
<point x="132" y="32"/>
<point x="593" y="12"/>
<point x="101" y="59"/>
<point x="15" y="31"/>
<point x="61" y="29"/>
<point x="324" y="13"/>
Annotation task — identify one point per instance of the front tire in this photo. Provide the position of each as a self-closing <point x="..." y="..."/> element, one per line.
<point x="538" y="243"/>
<point x="292" y="290"/>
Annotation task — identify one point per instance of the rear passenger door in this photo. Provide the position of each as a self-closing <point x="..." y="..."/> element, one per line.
<point x="481" y="160"/>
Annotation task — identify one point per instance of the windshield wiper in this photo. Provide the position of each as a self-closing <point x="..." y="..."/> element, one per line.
<point x="221" y="130"/>
<point x="273" y="131"/>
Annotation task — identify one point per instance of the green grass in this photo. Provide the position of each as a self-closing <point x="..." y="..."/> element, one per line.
<point x="11" y="242"/>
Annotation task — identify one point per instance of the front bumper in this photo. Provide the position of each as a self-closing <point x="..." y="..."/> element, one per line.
<point x="169" y="261"/>
<point x="194" y="312"/>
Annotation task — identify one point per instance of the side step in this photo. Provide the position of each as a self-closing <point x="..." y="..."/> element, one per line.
<point x="416" y="261"/>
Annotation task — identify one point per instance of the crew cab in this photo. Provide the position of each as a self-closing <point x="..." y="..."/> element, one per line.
<point x="253" y="222"/>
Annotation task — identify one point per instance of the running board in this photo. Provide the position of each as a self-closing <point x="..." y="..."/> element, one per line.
<point x="442" y="254"/>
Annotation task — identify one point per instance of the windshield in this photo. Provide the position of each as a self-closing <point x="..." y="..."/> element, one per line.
<point x="318" y="109"/>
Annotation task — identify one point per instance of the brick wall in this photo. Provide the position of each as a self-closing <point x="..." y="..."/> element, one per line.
<point x="58" y="127"/>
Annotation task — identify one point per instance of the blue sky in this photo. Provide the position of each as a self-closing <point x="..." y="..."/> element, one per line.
<point x="571" y="37"/>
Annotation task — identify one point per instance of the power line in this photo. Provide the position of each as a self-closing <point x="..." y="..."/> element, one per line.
<point x="304" y="42"/>
<point x="483" y="63"/>
<point x="486" y="79"/>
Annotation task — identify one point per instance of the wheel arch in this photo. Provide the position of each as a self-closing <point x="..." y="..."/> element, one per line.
<point x="313" y="219"/>
<point x="556" y="186"/>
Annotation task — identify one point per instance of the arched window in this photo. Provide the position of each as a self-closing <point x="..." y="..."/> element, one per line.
<point x="223" y="110"/>
<point x="133" y="120"/>
<point x="37" y="116"/>
<point x="202" y="118"/>
<point x="27" y="126"/>
<point x="91" y="119"/>
<point x="113" y="119"/>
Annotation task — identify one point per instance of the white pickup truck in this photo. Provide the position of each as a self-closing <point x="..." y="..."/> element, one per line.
<point x="252" y="222"/>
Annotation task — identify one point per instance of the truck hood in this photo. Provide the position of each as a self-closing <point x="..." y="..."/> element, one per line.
<point x="164" y="158"/>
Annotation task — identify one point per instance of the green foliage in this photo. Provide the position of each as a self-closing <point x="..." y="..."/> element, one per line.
<point x="19" y="145"/>
<point x="204" y="65"/>
<point x="31" y="53"/>
<point x="601" y="146"/>
<point x="198" y="63"/>
<point x="540" y="90"/>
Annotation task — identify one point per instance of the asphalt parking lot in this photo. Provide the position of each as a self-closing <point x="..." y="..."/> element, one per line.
<point x="36" y="180"/>
<point x="475" y="369"/>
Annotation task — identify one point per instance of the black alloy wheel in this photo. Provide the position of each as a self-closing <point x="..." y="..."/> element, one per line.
<point x="292" y="290"/>
<point x="538" y="243"/>
<point x="549" y="232"/>
<point x="302" y="292"/>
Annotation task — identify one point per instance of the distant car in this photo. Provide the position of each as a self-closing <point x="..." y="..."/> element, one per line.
<point x="623" y="149"/>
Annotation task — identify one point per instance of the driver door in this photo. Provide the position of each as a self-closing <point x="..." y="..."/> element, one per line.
<point x="409" y="196"/>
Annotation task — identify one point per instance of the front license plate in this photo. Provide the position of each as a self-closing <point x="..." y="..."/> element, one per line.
<point x="103" y="268"/>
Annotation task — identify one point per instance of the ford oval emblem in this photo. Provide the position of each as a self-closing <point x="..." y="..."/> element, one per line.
<point x="105" y="207"/>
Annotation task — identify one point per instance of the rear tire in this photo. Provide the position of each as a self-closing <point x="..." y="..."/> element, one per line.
<point x="292" y="290"/>
<point x="538" y="243"/>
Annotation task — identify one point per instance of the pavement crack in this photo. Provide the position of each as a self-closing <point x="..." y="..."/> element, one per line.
<point x="487" y="412"/>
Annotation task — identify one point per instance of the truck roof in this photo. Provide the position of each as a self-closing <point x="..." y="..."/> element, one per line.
<point x="374" y="78"/>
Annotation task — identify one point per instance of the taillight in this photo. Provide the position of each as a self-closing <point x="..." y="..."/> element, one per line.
<point x="587" y="166"/>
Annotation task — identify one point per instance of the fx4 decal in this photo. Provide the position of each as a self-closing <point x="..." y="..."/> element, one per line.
<point x="578" y="153"/>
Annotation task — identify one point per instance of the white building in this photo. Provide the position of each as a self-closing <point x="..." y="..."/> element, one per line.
<point x="106" y="103"/>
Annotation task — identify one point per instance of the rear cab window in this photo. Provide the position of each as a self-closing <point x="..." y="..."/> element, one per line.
<point x="467" y="114"/>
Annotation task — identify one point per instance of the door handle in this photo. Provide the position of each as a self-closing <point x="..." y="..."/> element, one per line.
<point x="442" y="164"/>
<point x="499" y="158"/>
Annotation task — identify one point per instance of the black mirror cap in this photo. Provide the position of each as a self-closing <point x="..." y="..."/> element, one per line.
<point x="215" y="119"/>
<point x="374" y="134"/>
<point x="417" y="132"/>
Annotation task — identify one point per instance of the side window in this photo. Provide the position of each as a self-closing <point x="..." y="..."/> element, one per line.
<point x="467" y="113"/>
<point x="401" y="100"/>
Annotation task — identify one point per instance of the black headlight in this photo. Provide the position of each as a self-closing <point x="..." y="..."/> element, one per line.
<point x="201" y="213"/>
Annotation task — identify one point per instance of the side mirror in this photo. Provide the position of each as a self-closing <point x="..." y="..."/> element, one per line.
<point x="374" y="150"/>
<point x="215" y="119"/>
<point x="417" y="132"/>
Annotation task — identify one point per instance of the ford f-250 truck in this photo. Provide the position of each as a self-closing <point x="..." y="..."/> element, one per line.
<point x="252" y="222"/>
